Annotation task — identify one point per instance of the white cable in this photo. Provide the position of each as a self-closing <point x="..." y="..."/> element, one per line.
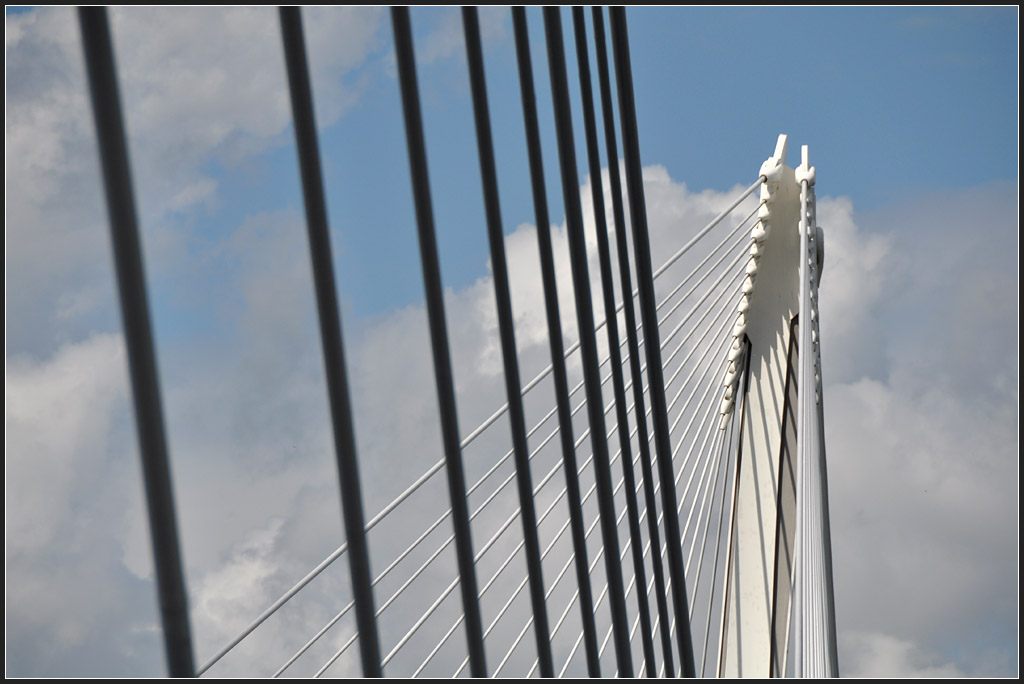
<point x="593" y="564"/>
<point x="726" y="310"/>
<point x="600" y="552"/>
<point x="735" y="231"/>
<point x="679" y="326"/>
<point x="440" y="464"/>
<point x="728" y="550"/>
<point x="273" y="608"/>
<point x="723" y="459"/>
<point x="714" y="222"/>
<point x="479" y="555"/>
<point x="696" y="367"/>
<point x="707" y="294"/>
<point x="689" y="452"/>
<point x="707" y="461"/>
<point x="444" y="545"/>
<point x="718" y="545"/>
<point x="581" y="469"/>
<point x="704" y="487"/>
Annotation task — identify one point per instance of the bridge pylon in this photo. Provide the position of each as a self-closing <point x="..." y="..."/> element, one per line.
<point x="778" y="574"/>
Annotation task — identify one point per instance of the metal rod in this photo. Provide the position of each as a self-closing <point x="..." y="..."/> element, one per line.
<point x="777" y="651"/>
<point x="406" y="60"/>
<point x="138" y="335"/>
<point x="608" y="289"/>
<point x="830" y="601"/>
<point x="496" y="238"/>
<point x="631" y="327"/>
<point x="331" y="336"/>
<point x="803" y="350"/>
<point x="829" y="588"/>
<point x="588" y="346"/>
<point x="547" y="267"/>
<point x="642" y="248"/>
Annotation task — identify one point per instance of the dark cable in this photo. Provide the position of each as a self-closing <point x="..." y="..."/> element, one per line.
<point x="496" y="238"/>
<point x="588" y="338"/>
<point x="547" y="268"/>
<point x="331" y="337"/>
<point x="634" y="348"/>
<point x="611" y="320"/>
<point x="406" y="60"/>
<point x="138" y="335"/>
<point x="645" y="281"/>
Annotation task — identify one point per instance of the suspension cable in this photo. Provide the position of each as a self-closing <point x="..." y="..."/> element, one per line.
<point x="466" y="441"/>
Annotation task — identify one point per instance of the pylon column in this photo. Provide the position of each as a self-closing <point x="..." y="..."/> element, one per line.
<point x="756" y="606"/>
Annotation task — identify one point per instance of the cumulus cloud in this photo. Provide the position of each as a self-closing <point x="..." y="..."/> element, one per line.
<point x="205" y="91"/>
<point x="881" y="655"/>
<point x="73" y="489"/>
<point x="263" y="473"/>
<point x="922" y="429"/>
<point x="919" y="352"/>
<point x="252" y="445"/>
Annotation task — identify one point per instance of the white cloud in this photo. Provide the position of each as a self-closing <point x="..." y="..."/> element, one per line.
<point x="856" y="277"/>
<point x="207" y="89"/>
<point x="881" y="655"/>
<point x="251" y="442"/>
<point x="921" y="412"/>
<point x="211" y="83"/>
<point x="241" y="579"/>
<point x="243" y="465"/>
<point x="59" y="413"/>
<point x="919" y="351"/>
<point x="73" y="487"/>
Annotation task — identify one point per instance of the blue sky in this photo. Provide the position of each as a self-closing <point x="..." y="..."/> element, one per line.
<point x="911" y="116"/>
<point x="897" y="102"/>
